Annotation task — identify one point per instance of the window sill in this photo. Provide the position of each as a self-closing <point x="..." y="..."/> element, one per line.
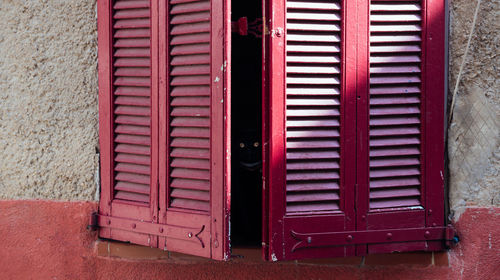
<point x="114" y="249"/>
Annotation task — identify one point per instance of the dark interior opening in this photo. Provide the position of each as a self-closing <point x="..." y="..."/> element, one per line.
<point x="246" y="180"/>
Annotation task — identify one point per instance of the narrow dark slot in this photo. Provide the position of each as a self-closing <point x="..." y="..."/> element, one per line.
<point x="246" y="177"/>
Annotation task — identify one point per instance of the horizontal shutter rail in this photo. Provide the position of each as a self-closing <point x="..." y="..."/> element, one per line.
<point x="189" y="103"/>
<point x="326" y="239"/>
<point x="132" y="100"/>
<point x="194" y="235"/>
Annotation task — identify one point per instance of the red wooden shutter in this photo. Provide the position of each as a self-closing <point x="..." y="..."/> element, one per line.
<point x="310" y="181"/>
<point x="163" y="144"/>
<point x="356" y="100"/>
<point x="128" y="116"/>
<point x="401" y="191"/>
<point x="193" y="186"/>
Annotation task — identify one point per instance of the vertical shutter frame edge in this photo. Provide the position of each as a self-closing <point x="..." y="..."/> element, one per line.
<point x="105" y="108"/>
<point x="435" y="112"/>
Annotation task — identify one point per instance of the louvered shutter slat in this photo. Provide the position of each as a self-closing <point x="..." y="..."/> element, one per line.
<point x="132" y="196"/>
<point x="312" y="105"/>
<point x="132" y="43"/>
<point x="395" y="79"/>
<point x="190" y="104"/>
<point x="132" y="81"/>
<point x="131" y="4"/>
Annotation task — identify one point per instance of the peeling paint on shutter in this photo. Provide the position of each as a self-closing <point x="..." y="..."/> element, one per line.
<point x="395" y="104"/>
<point x="313" y="54"/>
<point x="189" y="101"/>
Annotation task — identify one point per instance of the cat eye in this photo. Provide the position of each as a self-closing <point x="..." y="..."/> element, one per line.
<point x="242" y="145"/>
<point x="256" y="144"/>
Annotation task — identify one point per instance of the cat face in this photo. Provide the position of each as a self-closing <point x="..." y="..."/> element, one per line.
<point x="249" y="150"/>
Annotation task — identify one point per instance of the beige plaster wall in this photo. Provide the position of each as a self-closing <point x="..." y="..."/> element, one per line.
<point x="48" y="99"/>
<point x="474" y="134"/>
<point x="48" y="102"/>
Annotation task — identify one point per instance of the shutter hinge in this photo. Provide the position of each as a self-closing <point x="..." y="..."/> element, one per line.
<point x="452" y="237"/>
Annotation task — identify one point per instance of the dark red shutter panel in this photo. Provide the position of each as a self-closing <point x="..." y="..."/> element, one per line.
<point x="194" y="128"/>
<point x="356" y="144"/>
<point x="306" y="167"/>
<point x="165" y="184"/>
<point x="399" y="120"/>
<point x="127" y="78"/>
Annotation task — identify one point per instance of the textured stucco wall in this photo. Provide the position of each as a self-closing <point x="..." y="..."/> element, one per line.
<point x="48" y="95"/>
<point x="474" y="134"/>
<point x="48" y="99"/>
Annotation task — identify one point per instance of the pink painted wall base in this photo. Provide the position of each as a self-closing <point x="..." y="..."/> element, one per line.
<point x="50" y="240"/>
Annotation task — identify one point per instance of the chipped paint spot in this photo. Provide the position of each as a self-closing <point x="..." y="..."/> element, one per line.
<point x="274" y="258"/>
<point x="217" y="79"/>
<point x="441" y="172"/>
<point x="489" y="241"/>
<point x="222" y="101"/>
